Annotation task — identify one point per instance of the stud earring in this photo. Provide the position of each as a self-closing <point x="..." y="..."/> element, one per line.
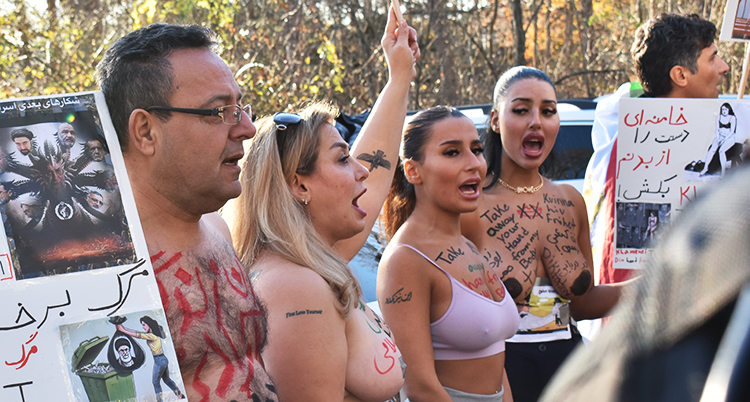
<point x="304" y="201"/>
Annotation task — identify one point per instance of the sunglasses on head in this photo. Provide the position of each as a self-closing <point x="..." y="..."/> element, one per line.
<point x="283" y="120"/>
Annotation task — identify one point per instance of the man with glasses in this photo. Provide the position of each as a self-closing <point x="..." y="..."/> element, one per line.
<point x="180" y="120"/>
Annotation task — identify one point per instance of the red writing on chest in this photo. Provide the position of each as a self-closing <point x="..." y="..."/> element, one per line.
<point x="529" y="211"/>
<point x="500" y="289"/>
<point x="202" y="294"/>
<point x="390" y="349"/>
<point x="475" y="285"/>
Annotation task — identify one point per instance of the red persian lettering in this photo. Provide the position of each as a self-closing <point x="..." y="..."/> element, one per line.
<point x="390" y="348"/>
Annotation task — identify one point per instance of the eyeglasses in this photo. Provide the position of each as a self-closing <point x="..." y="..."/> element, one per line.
<point x="284" y="120"/>
<point x="230" y="114"/>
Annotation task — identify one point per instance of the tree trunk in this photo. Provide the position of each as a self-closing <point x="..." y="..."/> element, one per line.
<point x="449" y="91"/>
<point x="586" y="10"/>
<point x="519" y="35"/>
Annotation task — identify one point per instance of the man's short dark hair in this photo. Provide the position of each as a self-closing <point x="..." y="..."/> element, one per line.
<point x="21" y="132"/>
<point x="135" y="72"/>
<point x="666" y="41"/>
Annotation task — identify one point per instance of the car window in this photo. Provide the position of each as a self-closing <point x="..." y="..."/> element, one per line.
<point x="571" y="153"/>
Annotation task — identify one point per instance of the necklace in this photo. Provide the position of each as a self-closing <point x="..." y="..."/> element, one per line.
<point x="523" y="190"/>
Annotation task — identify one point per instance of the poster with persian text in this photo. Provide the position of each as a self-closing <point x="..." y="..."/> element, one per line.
<point x="668" y="153"/>
<point x="80" y="314"/>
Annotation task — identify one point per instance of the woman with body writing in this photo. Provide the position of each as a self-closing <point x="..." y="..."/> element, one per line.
<point x="306" y="209"/>
<point x="449" y="312"/>
<point x="534" y="233"/>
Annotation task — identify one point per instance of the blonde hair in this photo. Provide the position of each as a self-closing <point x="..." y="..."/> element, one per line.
<point x="267" y="216"/>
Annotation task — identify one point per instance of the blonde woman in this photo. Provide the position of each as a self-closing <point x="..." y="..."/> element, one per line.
<point x="306" y="209"/>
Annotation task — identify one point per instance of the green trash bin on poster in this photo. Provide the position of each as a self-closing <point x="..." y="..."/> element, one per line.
<point x="100" y="381"/>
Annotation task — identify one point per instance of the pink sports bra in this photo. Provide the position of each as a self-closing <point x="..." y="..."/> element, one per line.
<point x="473" y="326"/>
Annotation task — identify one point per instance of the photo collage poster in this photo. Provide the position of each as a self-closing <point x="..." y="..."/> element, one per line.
<point x="81" y="317"/>
<point x="669" y="151"/>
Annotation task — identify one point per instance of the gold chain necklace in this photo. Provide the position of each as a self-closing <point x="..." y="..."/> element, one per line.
<point x="523" y="190"/>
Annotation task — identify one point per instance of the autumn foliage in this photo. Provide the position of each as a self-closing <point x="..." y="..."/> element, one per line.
<point x="287" y="53"/>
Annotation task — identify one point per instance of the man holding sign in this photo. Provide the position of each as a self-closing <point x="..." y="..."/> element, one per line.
<point x="180" y="119"/>
<point x="675" y="57"/>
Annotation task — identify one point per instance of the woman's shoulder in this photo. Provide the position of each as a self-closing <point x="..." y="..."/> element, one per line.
<point x="405" y="251"/>
<point x="272" y="272"/>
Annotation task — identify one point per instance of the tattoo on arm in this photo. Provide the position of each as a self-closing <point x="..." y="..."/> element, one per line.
<point x="398" y="297"/>
<point x="376" y="160"/>
<point x="303" y="312"/>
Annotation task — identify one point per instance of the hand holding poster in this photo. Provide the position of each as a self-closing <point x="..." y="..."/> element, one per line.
<point x="72" y="258"/>
<point x="668" y="151"/>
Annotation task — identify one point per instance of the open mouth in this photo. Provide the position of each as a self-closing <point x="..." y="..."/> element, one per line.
<point x="355" y="203"/>
<point x="233" y="161"/>
<point x="533" y="144"/>
<point x="469" y="188"/>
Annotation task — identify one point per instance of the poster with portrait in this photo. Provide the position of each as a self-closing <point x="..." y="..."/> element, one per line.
<point x="668" y="152"/>
<point x="736" y="25"/>
<point x="79" y="304"/>
<point x="61" y="203"/>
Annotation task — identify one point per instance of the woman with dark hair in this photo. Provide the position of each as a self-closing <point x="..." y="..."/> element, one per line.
<point x="725" y="138"/>
<point x="450" y="314"/>
<point x="153" y="334"/>
<point x="534" y="233"/>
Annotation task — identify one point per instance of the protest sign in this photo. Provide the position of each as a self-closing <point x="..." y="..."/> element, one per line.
<point x="73" y="260"/>
<point x="669" y="150"/>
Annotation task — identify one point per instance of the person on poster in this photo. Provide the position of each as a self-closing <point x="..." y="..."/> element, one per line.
<point x="92" y="158"/>
<point x="153" y="334"/>
<point x="652" y="224"/>
<point x="95" y="200"/>
<point x="180" y="119"/>
<point x="95" y="150"/>
<point x="675" y="57"/>
<point x="65" y="137"/>
<point x="724" y="140"/>
<point x="124" y="352"/>
<point x="24" y="140"/>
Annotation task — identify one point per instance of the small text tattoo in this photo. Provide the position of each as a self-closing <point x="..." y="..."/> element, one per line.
<point x="303" y="312"/>
<point x="398" y="297"/>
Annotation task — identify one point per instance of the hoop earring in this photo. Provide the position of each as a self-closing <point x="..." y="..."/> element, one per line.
<point x="304" y="201"/>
